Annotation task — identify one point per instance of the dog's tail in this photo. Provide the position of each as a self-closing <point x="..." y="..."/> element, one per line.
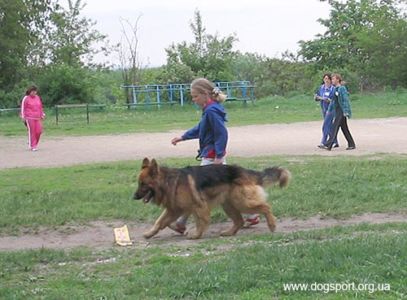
<point x="275" y="175"/>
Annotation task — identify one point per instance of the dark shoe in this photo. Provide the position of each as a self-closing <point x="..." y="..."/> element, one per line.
<point x="326" y="147"/>
<point x="335" y="146"/>
<point x="351" y="148"/>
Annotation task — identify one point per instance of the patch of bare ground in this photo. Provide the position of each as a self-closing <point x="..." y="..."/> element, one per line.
<point x="371" y="136"/>
<point x="99" y="234"/>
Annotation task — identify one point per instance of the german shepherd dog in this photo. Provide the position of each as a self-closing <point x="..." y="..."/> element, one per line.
<point x="196" y="190"/>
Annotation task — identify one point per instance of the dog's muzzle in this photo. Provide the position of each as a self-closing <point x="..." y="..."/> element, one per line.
<point x="146" y="198"/>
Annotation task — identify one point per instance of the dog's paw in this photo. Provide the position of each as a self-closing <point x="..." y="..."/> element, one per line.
<point x="148" y="234"/>
<point x="272" y="228"/>
<point x="227" y="233"/>
<point x="193" y="235"/>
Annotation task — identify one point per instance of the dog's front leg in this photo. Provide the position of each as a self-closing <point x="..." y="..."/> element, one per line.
<point x="202" y="220"/>
<point x="166" y="218"/>
<point x="157" y="225"/>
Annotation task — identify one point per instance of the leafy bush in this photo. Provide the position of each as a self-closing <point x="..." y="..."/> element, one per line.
<point x="63" y="84"/>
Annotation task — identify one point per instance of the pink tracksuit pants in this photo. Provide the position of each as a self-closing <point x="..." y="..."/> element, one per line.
<point x="34" y="128"/>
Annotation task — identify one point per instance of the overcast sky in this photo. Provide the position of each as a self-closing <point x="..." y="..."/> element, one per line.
<point x="266" y="27"/>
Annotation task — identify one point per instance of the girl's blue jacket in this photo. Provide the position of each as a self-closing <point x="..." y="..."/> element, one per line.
<point x="211" y="131"/>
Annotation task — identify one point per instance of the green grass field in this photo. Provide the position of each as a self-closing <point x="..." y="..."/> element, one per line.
<point x="335" y="187"/>
<point x="371" y="258"/>
<point x="268" y="110"/>
<point x="367" y="261"/>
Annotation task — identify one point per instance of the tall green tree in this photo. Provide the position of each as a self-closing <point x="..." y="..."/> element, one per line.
<point x="42" y="42"/>
<point x="208" y="56"/>
<point x="73" y="37"/>
<point x="364" y="37"/>
<point x="22" y="25"/>
<point x="71" y="46"/>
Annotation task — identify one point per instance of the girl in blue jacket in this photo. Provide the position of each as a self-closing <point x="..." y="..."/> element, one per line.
<point x="211" y="132"/>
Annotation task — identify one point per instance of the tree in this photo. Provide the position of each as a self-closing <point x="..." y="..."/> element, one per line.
<point x="208" y="56"/>
<point x="66" y="84"/>
<point x="130" y="63"/>
<point x="21" y="26"/>
<point x="73" y="37"/>
<point x="384" y="46"/>
<point x="366" y="37"/>
<point x="71" y="46"/>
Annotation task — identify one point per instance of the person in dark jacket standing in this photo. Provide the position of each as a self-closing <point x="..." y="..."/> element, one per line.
<point x="342" y="109"/>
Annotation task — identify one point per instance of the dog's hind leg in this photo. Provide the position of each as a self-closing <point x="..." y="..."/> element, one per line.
<point x="166" y="218"/>
<point x="265" y="209"/>
<point x="236" y="217"/>
<point x="257" y="204"/>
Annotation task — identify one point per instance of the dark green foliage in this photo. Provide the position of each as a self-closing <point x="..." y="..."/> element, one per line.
<point x="274" y="76"/>
<point x="63" y="84"/>
<point x="365" y="37"/>
<point x="73" y="36"/>
<point x="46" y="44"/>
<point x="21" y="24"/>
<point x="43" y="43"/>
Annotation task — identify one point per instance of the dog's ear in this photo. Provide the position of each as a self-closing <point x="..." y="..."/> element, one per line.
<point x="153" y="167"/>
<point x="145" y="164"/>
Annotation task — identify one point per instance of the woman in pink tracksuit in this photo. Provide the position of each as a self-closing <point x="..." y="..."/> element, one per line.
<point x="32" y="115"/>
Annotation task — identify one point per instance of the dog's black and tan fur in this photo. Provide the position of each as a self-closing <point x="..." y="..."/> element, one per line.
<point x="196" y="190"/>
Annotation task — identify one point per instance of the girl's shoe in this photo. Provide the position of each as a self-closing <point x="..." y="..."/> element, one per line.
<point x="251" y="221"/>
<point x="180" y="228"/>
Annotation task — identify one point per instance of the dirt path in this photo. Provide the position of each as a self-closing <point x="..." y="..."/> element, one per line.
<point x="371" y="136"/>
<point x="100" y="234"/>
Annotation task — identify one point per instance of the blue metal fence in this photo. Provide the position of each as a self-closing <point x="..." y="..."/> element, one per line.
<point x="159" y="94"/>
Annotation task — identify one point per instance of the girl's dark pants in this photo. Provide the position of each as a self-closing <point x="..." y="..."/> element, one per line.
<point x="340" y="121"/>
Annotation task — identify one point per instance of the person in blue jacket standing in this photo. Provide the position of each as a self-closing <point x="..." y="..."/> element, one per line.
<point x="211" y="132"/>
<point x="325" y="95"/>
<point x="342" y="111"/>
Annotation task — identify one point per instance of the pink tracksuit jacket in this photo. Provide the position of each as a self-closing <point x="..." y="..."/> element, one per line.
<point x="32" y="112"/>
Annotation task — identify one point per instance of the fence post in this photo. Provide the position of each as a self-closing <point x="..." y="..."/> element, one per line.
<point x="170" y="93"/>
<point x="56" y="114"/>
<point x="158" y="96"/>
<point x="228" y="90"/>
<point x="87" y="112"/>
<point x="181" y="94"/>
<point x="244" y="93"/>
<point x="134" y="95"/>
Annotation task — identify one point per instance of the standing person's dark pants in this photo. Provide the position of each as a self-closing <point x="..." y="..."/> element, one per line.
<point x="340" y="121"/>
